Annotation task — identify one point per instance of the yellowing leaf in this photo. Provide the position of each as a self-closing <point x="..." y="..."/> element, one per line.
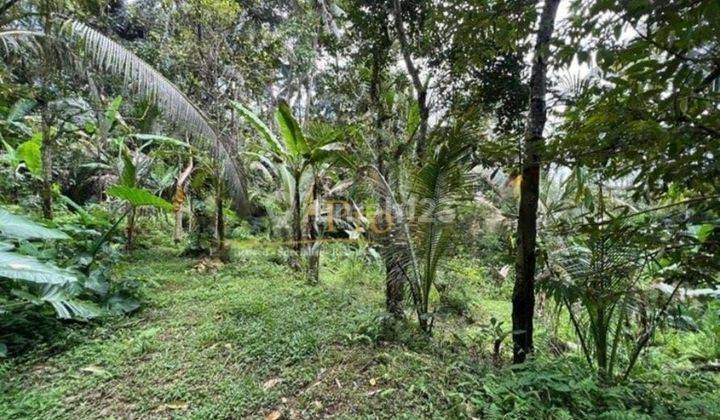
<point x="274" y="415"/>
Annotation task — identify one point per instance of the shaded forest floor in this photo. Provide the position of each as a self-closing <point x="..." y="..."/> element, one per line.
<point x="248" y="338"/>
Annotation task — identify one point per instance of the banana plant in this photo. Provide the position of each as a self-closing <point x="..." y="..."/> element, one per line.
<point x="127" y="189"/>
<point x="56" y="34"/>
<point x="298" y="159"/>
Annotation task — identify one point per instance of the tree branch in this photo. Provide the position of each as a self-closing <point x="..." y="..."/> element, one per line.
<point x="420" y="88"/>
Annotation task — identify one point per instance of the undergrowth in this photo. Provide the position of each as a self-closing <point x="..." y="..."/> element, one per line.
<point x="251" y="338"/>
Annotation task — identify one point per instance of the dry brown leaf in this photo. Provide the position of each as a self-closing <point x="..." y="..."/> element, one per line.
<point x="175" y="405"/>
<point x="271" y="383"/>
<point x="275" y="415"/>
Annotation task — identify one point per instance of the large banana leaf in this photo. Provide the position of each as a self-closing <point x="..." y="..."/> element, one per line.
<point x="273" y="143"/>
<point x="290" y="130"/>
<point x="17" y="227"/>
<point x="25" y="268"/>
<point x="138" y="197"/>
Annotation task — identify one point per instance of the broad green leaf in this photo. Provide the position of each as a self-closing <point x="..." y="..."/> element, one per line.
<point x="702" y="232"/>
<point x="290" y="130"/>
<point x="18" y="227"/>
<point x="331" y="152"/>
<point x="68" y="306"/>
<point x="10" y="152"/>
<point x="22" y="267"/>
<point x="128" y="177"/>
<point x="29" y="152"/>
<point x="97" y="283"/>
<point x="20" y="109"/>
<point x="111" y="114"/>
<point x="118" y="305"/>
<point x="273" y="143"/>
<point x="138" y="197"/>
<point x="162" y="139"/>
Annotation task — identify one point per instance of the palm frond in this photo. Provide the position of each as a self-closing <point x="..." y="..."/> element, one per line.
<point x="145" y="80"/>
<point x="15" y="39"/>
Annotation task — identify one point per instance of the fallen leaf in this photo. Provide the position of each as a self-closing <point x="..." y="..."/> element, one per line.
<point x="178" y="405"/>
<point x="275" y="415"/>
<point x="175" y="405"/>
<point x="95" y="370"/>
<point x="271" y="383"/>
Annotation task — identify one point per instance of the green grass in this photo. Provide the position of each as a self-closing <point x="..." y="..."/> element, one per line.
<point x="253" y="338"/>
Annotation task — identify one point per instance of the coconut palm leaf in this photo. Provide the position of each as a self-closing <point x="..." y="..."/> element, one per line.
<point x="145" y="80"/>
<point x="12" y="40"/>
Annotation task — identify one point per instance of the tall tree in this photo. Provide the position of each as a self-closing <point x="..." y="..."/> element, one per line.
<point x="523" y="300"/>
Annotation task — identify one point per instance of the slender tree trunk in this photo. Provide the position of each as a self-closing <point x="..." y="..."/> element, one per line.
<point x="179" y="199"/>
<point x="394" y="285"/>
<point x="297" y="221"/>
<point x="177" y="237"/>
<point x="47" y="166"/>
<point x="313" y="250"/>
<point x="130" y="230"/>
<point x="219" y="216"/>
<point x="523" y="300"/>
<point x="418" y="85"/>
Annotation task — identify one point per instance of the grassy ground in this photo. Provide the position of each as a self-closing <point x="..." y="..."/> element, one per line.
<point x="249" y="339"/>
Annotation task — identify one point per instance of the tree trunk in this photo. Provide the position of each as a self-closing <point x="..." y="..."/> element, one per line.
<point x="297" y="221"/>
<point x="219" y="216"/>
<point x="47" y="167"/>
<point x="177" y="237"/>
<point x="394" y="285"/>
<point x="130" y="230"/>
<point x="179" y="199"/>
<point x="313" y="250"/>
<point x="523" y="300"/>
<point x="420" y="88"/>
